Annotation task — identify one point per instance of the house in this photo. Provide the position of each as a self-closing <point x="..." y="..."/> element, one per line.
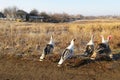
<point x="20" y="14"/>
<point x="36" y="18"/>
<point x="24" y="16"/>
<point x="2" y="15"/>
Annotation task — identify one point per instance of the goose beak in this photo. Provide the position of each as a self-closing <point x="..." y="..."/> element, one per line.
<point x="74" y="39"/>
<point x="109" y="37"/>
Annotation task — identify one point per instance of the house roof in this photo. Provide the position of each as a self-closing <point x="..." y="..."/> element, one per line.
<point x="1" y="14"/>
<point x="21" y="12"/>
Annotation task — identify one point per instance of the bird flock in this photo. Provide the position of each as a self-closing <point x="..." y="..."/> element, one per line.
<point x="90" y="50"/>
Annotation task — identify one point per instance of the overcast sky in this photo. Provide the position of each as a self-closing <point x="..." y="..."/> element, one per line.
<point x="84" y="7"/>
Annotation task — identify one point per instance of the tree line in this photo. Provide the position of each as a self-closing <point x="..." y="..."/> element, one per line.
<point x="35" y="15"/>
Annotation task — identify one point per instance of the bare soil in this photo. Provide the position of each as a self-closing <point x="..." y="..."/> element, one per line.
<point x="18" y="68"/>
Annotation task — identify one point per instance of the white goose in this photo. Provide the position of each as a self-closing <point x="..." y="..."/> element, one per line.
<point x="48" y="49"/>
<point x="103" y="47"/>
<point x="67" y="53"/>
<point x="90" y="47"/>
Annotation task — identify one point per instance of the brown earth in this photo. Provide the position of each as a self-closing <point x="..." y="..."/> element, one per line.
<point x="18" y="68"/>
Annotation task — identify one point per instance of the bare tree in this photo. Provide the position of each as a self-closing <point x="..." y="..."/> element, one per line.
<point x="57" y="17"/>
<point x="10" y="12"/>
<point x="46" y="16"/>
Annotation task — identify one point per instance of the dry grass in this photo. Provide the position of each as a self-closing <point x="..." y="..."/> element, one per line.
<point x="30" y="39"/>
<point x="28" y="36"/>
